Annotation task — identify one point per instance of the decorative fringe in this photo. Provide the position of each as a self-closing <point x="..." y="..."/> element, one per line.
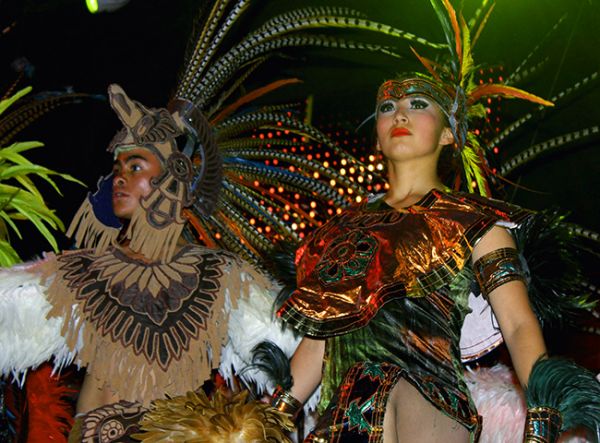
<point x="569" y="388"/>
<point x="152" y="243"/>
<point x="91" y="232"/>
<point x="29" y="335"/>
<point x="194" y="417"/>
<point x="131" y="376"/>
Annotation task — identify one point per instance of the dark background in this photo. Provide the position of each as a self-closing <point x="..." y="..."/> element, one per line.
<point x="142" y="47"/>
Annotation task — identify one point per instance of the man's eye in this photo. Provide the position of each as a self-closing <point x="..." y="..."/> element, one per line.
<point x="386" y="107"/>
<point x="136" y="168"/>
<point x="417" y="103"/>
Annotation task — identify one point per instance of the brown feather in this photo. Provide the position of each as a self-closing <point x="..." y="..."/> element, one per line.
<point x="253" y="95"/>
<point x="505" y="91"/>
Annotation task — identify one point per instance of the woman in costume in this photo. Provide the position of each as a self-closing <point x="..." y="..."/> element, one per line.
<point x="382" y="288"/>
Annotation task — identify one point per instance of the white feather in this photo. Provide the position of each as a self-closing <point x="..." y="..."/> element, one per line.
<point x="250" y="323"/>
<point x="27" y="337"/>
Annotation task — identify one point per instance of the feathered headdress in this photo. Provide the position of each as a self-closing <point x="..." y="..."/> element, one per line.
<point x="225" y="175"/>
<point x="453" y="87"/>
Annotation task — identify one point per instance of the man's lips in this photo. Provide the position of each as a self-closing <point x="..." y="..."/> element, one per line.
<point x="399" y="132"/>
<point x="119" y="194"/>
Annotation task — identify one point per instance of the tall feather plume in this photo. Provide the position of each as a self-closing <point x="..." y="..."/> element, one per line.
<point x="30" y="110"/>
<point x="558" y="99"/>
<point x="536" y="49"/>
<point x="457" y="78"/>
<point x="553" y="251"/>
<point x="540" y="149"/>
<point x="267" y="357"/>
<point x="214" y="79"/>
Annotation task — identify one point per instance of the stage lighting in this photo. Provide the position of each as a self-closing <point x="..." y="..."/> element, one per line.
<point x="95" y="6"/>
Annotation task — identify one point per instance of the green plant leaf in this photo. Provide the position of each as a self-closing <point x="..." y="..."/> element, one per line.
<point x="4" y="104"/>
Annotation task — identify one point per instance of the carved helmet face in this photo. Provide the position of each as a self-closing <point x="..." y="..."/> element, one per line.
<point x="155" y="130"/>
<point x="149" y="128"/>
<point x="190" y="177"/>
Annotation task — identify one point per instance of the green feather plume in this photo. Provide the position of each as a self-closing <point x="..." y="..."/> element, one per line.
<point x="569" y="388"/>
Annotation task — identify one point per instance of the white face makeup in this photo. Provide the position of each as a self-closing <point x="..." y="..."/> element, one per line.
<point x="410" y="127"/>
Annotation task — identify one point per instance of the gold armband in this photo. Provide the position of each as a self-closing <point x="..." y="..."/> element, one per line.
<point x="285" y="402"/>
<point x="542" y="425"/>
<point x="497" y="268"/>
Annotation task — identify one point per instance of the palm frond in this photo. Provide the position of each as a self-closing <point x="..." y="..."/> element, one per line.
<point x="20" y="198"/>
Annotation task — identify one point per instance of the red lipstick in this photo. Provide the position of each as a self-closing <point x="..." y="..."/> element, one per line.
<point x="400" y="132"/>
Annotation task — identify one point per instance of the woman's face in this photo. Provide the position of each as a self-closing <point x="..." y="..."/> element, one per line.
<point x="132" y="171"/>
<point x="411" y="127"/>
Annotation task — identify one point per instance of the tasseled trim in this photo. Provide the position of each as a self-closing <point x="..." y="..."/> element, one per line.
<point x="133" y="377"/>
<point x="151" y="242"/>
<point x="91" y="233"/>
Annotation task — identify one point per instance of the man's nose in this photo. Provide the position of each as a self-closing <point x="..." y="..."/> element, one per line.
<point x="118" y="179"/>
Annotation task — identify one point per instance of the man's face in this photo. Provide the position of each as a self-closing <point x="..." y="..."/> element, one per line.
<point x="132" y="171"/>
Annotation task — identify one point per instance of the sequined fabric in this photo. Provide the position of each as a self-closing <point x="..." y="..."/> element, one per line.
<point x="365" y="257"/>
<point x="542" y="425"/>
<point x="391" y="287"/>
<point x="497" y="268"/>
<point x="356" y="413"/>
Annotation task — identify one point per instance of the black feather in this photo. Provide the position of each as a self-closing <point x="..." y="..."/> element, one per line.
<point x="267" y="357"/>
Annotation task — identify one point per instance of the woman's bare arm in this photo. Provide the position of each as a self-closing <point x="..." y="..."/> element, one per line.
<point x="306" y="366"/>
<point x="519" y="325"/>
